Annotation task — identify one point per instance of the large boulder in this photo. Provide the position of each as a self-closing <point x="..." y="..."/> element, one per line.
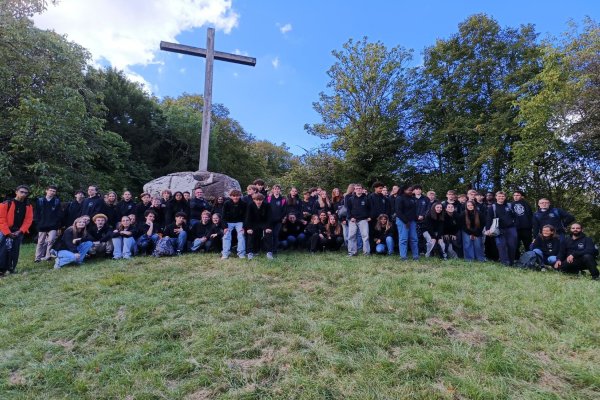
<point x="213" y="184"/>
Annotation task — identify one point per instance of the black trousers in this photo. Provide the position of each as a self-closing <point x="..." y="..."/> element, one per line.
<point x="523" y="236"/>
<point x="258" y="239"/>
<point x="581" y="263"/>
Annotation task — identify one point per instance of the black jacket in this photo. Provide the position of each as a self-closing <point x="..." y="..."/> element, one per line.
<point x="95" y="235"/>
<point x="473" y="230"/>
<point x="197" y="206"/>
<point x="258" y="218"/>
<point x="423" y="206"/>
<point x="234" y="212"/>
<point x="406" y="208"/>
<point x="379" y="204"/>
<point x="358" y="207"/>
<point x="549" y="247"/>
<point x="199" y="231"/>
<point x="71" y="213"/>
<point x="48" y="215"/>
<point x="170" y="229"/>
<point x="556" y="217"/>
<point x="504" y="213"/>
<point x="278" y="208"/>
<point x="435" y="227"/>
<point x="126" y="208"/>
<point x="92" y="206"/>
<point x="289" y="229"/>
<point x="66" y="241"/>
<point x="576" y="247"/>
<point x="523" y="214"/>
<point x="451" y="224"/>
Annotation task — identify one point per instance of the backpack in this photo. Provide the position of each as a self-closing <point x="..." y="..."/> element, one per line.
<point x="529" y="260"/>
<point x="163" y="248"/>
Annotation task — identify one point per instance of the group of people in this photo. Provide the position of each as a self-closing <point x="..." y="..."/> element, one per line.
<point x="474" y="226"/>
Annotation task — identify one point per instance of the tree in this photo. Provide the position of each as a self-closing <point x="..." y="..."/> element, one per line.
<point x="466" y="120"/>
<point x="365" y="113"/>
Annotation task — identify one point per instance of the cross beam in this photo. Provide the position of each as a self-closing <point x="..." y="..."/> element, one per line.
<point x="198" y="52"/>
<point x="210" y="54"/>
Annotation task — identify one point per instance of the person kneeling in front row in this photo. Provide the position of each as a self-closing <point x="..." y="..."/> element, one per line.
<point x="547" y="245"/>
<point x="577" y="253"/>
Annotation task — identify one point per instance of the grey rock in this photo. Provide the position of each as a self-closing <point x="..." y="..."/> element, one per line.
<point x="213" y="184"/>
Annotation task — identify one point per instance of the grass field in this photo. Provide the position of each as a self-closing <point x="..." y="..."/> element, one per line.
<point x="299" y="327"/>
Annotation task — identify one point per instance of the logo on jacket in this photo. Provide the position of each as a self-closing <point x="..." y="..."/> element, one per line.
<point x="580" y="245"/>
<point x="519" y="209"/>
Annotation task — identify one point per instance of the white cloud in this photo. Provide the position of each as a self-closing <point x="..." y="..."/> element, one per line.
<point x="285" y="28"/>
<point x="182" y="70"/>
<point x="127" y="33"/>
<point x="236" y="75"/>
<point x="275" y="62"/>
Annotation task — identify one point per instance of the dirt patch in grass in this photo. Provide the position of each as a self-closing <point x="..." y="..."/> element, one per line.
<point x="65" y="344"/>
<point x="551" y="382"/>
<point x="17" y="379"/>
<point x="202" y="394"/>
<point x="474" y="337"/>
<point x="121" y="313"/>
<point x="267" y="356"/>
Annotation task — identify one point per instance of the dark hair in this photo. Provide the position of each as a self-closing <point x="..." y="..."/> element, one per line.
<point x="235" y="192"/>
<point x="417" y="187"/>
<point x="79" y="191"/>
<point x="520" y="192"/>
<point x="475" y="212"/>
<point x="435" y="216"/>
<point x="148" y="212"/>
<point x="22" y="187"/>
<point x="259" y="182"/>
<point x="52" y="187"/>
<point x="378" y="184"/>
<point x="258" y="196"/>
<point x="181" y="214"/>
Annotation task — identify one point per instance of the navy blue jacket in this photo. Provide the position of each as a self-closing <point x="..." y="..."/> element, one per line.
<point x="358" y="207"/>
<point x="406" y="208"/>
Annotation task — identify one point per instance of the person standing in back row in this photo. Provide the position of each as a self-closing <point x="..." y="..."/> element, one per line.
<point x="506" y="241"/>
<point x="48" y="217"/>
<point x="358" y="219"/>
<point x="523" y="221"/>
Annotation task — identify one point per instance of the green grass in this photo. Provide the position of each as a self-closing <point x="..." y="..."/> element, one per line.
<point x="306" y="327"/>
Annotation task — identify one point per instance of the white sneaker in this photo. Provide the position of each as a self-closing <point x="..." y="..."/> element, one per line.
<point x="224" y="257"/>
<point x="250" y="256"/>
<point x="56" y="266"/>
<point x="269" y="256"/>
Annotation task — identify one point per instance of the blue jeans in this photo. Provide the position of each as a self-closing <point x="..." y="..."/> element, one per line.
<point x="198" y="245"/>
<point x="179" y="241"/>
<point x="472" y="248"/>
<point x="546" y="261"/>
<point x="123" y="247"/>
<point x="146" y="243"/>
<point x="65" y="257"/>
<point x="388" y="246"/>
<point x="241" y="242"/>
<point x="293" y="241"/>
<point x="507" y="245"/>
<point x="405" y="234"/>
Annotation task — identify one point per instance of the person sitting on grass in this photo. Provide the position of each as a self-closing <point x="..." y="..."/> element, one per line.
<point x="577" y="253"/>
<point x="177" y="232"/>
<point x="434" y="230"/>
<point x="258" y="225"/>
<point x="292" y="232"/>
<point x="384" y="235"/>
<point x="72" y="247"/>
<point x="216" y="232"/>
<point x="334" y="234"/>
<point x="149" y="233"/>
<point x="547" y="245"/>
<point x="315" y="232"/>
<point x="100" y="234"/>
<point x="123" y="239"/>
<point x="199" y="234"/>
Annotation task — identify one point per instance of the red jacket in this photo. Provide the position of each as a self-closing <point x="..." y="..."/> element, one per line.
<point x="7" y="217"/>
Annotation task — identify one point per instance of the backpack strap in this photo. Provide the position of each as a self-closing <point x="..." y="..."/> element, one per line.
<point x="494" y="208"/>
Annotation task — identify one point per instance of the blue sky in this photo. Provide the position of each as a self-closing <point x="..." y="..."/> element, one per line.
<point x="274" y="100"/>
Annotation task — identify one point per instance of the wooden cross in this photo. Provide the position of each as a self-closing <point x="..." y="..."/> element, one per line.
<point x="210" y="54"/>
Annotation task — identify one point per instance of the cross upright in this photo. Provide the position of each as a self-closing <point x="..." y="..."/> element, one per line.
<point x="210" y="54"/>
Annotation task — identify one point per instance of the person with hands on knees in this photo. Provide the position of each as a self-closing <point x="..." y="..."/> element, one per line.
<point x="577" y="253"/>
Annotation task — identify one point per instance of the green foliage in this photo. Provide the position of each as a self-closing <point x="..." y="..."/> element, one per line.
<point x="466" y="122"/>
<point x="365" y="112"/>
<point x="329" y="327"/>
